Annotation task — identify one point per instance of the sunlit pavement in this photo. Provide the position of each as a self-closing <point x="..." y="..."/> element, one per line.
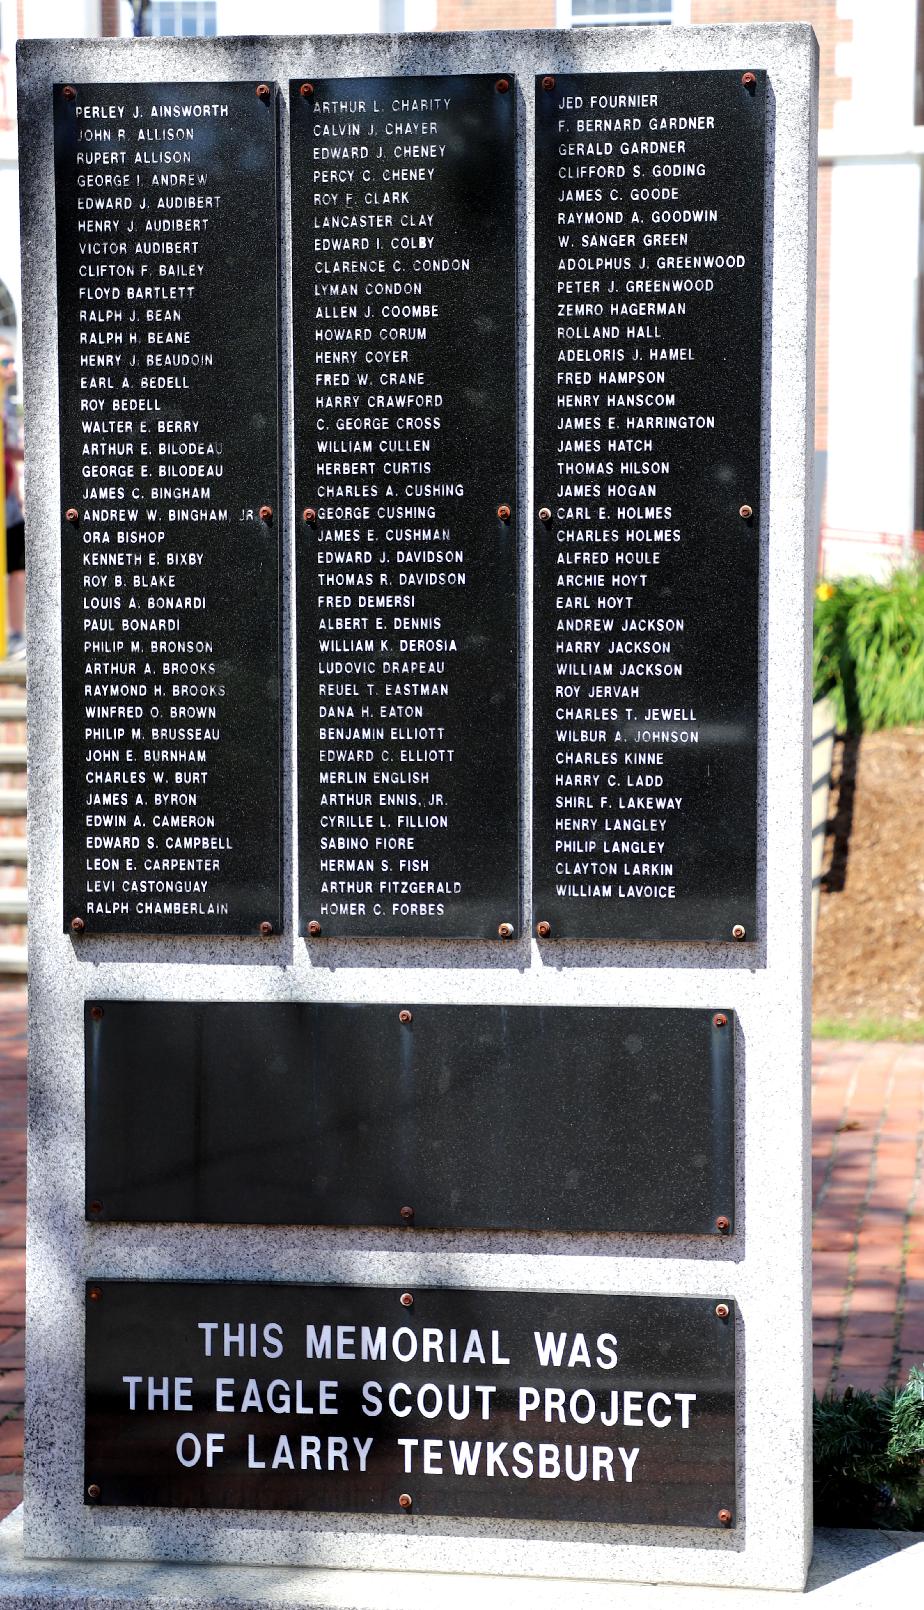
<point x="868" y="1226"/>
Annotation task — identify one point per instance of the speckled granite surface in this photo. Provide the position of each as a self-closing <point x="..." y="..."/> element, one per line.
<point x="764" y="1265"/>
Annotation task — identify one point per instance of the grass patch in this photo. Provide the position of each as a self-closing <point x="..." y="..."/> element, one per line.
<point x="909" y="1031"/>
<point x="869" y="649"/>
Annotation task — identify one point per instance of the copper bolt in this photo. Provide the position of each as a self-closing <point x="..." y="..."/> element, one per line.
<point x="96" y="1013"/>
<point x="548" y="82"/>
<point x="96" y="1207"/>
<point x="404" y="1016"/>
<point x="77" y="925"/>
<point x="738" y="931"/>
<point x="405" y="1500"/>
<point x="314" y="928"/>
<point x="71" y="516"/>
<point x="721" y="1310"/>
<point x="746" y="511"/>
<point x="502" y="86"/>
<point x="94" y="1294"/>
<point x="722" y="1224"/>
<point x="725" y="1516"/>
<point x="263" y="92"/>
<point x="266" y="929"/>
<point x="310" y="516"/>
<point x="543" y="929"/>
<point x="749" y="80"/>
<point x="720" y="1020"/>
<point x="407" y="1214"/>
<point x="266" y="513"/>
<point x="545" y="515"/>
<point x="503" y="511"/>
<point x="406" y="1300"/>
<point x="306" y="90"/>
<point x="93" y="1490"/>
<point x="505" y="930"/>
<point x="69" y="93"/>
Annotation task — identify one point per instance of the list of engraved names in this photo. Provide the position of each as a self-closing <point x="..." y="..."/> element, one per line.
<point x="646" y="483"/>
<point x="404" y="319"/>
<point x="168" y="456"/>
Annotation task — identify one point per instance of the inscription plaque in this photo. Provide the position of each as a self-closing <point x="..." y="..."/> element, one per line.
<point x="489" y="1117"/>
<point x="649" y="245"/>
<point x="404" y="276"/>
<point x="166" y="261"/>
<point x="533" y="1405"/>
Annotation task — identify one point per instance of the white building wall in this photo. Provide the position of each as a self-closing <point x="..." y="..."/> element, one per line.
<point x="872" y="365"/>
<point x="875" y="235"/>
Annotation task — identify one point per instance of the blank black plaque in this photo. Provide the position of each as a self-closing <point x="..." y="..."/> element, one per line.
<point x="167" y="335"/>
<point x="404" y="287"/>
<point x="655" y="1347"/>
<point x="649" y="270"/>
<point x="539" y="1118"/>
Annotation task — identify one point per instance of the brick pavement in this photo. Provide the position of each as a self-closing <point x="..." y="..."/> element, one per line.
<point x="868" y="1220"/>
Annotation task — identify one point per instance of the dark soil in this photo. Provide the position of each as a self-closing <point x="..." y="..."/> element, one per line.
<point x="869" y="949"/>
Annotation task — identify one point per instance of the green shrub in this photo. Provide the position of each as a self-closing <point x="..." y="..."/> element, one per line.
<point x="869" y="650"/>
<point x="869" y="1457"/>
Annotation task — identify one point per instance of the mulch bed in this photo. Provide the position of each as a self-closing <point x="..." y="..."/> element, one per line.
<point x="869" y="950"/>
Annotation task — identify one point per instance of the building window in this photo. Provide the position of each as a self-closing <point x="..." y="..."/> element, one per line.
<point x="616" y="13"/>
<point x="187" y="19"/>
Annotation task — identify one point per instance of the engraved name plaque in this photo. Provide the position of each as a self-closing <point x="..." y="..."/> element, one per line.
<point x="166" y="261"/>
<point x="404" y="273"/>
<point x="649" y="246"/>
<point x="479" y="1117"/>
<point x="527" y="1405"/>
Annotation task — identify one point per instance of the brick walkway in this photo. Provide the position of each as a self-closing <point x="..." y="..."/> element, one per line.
<point x="868" y="1213"/>
<point x="868" y="1226"/>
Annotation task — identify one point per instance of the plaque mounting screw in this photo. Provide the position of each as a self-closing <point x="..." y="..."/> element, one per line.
<point x="69" y="93"/>
<point x="749" y="80"/>
<point x="266" y="929"/>
<point x="96" y="1013"/>
<point x="722" y="1224"/>
<point x="406" y="1299"/>
<point x="310" y="516"/>
<point x="738" y="931"/>
<point x="505" y="930"/>
<point x="77" y="925"/>
<point x="503" y="512"/>
<point x="745" y="511"/>
<point x="407" y="1214"/>
<point x="93" y="1490"/>
<point x="545" y="515"/>
<point x="314" y="928"/>
<point x="725" y="1516"/>
<point x="263" y="92"/>
<point x="96" y="1207"/>
<point x="502" y="86"/>
<point x="721" y="1310"/>
<point x="405" y="1501"/>
<point x="71" y="516"/>
<point x="548" y="82"/>
<point x="720" y="1020"/>
<point x="307" y="90"/>
<point x="543" y="929"/>
<point x="94" y="1294"/>
<point x="404" y="1016"/>
<point x="266" y="513"/>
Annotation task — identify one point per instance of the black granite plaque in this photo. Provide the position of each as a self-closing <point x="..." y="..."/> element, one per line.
<point x="488" y="1117"/>
<point x="527" y="1405"/>
<point x="404" y="258"/>
<point x="166" y="250"/>
<point x="649" y="243"/>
